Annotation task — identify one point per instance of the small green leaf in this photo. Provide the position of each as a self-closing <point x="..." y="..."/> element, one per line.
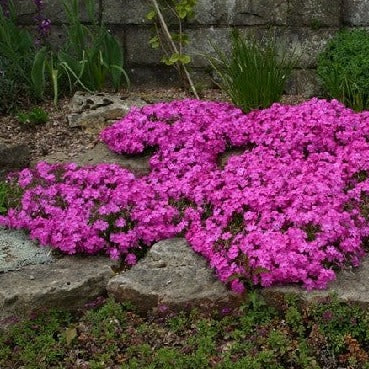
<point x="184" y="59"/>
<point x="151" y="15"/>
<point x="70" y="334"/>
<point x="154" y="42"/>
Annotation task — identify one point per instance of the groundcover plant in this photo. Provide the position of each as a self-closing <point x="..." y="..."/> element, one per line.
<point x="292" y="208"/>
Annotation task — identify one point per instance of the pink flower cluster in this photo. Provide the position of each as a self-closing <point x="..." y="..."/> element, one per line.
<point x="291" y="208"/>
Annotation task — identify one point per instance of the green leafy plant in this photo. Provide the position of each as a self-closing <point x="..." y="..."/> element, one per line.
<point x="10" y="196"/>
<point x="254" y="74"/>
<point x="326" y="334"/>
<point x="3" y="197"/>
<point x="17" y="52"/>
<point x="343" y="68"/>
<point x="36" y="116"/>
<point x="91" y="59"/>
<point x="172" y="43"/>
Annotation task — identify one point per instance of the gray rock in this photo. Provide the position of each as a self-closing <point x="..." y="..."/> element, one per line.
<point x="261" y="12"/>
<point x="203" y="42"/>
<point x="96" y="111"/>
<point x="303" y="82"/>
<point x="152" y="76"/>
<point x="172" y="275"/>
<point x="314" y="13"/>
<point x="304" y="43"/>
<point x="16" y="156"/>
<point x="68" y="283"/>
<point x="12" y="158"/>
<point x="125" y="11"/>
<point x="138" y="50"/>
<point x="17" y="251"/>
<point x="53" y="9"/>
<point x="351" y="284"/>
<point x="139" y="164"/>
<point x="356" y="12"/>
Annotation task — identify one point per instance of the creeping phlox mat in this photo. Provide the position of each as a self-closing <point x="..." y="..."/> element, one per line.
<point x="291" y="208"/>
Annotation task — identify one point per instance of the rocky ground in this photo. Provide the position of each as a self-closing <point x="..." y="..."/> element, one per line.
<point x="56" y="137"/>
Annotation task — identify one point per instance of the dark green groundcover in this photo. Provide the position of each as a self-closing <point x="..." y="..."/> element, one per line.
<point x="328" y="335"/>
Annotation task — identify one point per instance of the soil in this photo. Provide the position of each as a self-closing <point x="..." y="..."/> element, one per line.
<point x="57" y="137"/>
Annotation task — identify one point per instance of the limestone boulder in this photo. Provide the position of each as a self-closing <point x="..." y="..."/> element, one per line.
<point x="351" y="284"/>
<point x="171" y="274"/>
<point x="96" y="111"/>
<point x="68" y="283"/>
<point x="17" y="251"/>
<point x="13" y="157"/>
<point x="138" y="164"/>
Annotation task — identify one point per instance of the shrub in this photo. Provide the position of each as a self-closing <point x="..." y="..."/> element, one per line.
<point x="253" y="76"/>
<point x="343" y="68"/>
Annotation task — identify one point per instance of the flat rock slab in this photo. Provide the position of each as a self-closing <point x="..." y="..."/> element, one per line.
<point x="138" y="164"/>
<point x="171" y="274"/>
<point x="351" y="285"/>
<point x="17" y="251"/>
<point x="68" y="283"/>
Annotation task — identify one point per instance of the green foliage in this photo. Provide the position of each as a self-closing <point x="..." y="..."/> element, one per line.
<point x="91" y="59"/>
<point x="34" y="117"/>
<point x="16" y="56"/>
<point x="172" y="42"/>
<point x="37" y="343"/>
<point x="4" y="193"/>
<point x="253" y="336"/>
<point x="253" y="75"/>
<point x="10" y="195"/>
<point x="343" y="68"/>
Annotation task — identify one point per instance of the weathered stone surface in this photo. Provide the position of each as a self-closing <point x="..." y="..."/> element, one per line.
<point x="138" y="49"/>
<point x="251" y="12"/>
<point x="305" y="43"/>
<point x="13" y="157"/>
<point x="351" y="285"/>
<point x="125" y="11"/>
<point x="139" y="164"/>
<point x="53" y="9"/>
<point x="314" y="13"/>
<point x="356" y="12"/>
<point x="202" y="42"/>
<point x="96" y="111"/>
<point x="17" y="250"/>
<point x="303" y="82"/>
<point x="151" y="76"/>
<point x="171" y="274"/>
<point x="240" y="12"/>
<point x="68" y="283"/>
<point x="16" y="156"/>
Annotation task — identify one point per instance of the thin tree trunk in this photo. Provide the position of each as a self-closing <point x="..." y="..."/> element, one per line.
<point x="173" y="46"/>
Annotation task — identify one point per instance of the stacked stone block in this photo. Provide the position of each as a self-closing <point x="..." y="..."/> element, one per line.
<point x="304" y="26"/>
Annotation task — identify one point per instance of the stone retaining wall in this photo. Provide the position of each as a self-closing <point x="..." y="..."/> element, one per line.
<point x="304" y="25"/>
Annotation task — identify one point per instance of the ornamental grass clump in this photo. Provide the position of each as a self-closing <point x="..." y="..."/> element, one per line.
<point x="291" y="208"/>
<point x="253" y="75"/>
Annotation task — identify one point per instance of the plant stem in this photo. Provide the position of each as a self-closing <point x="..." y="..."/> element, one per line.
<point x="173" y="46"/>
